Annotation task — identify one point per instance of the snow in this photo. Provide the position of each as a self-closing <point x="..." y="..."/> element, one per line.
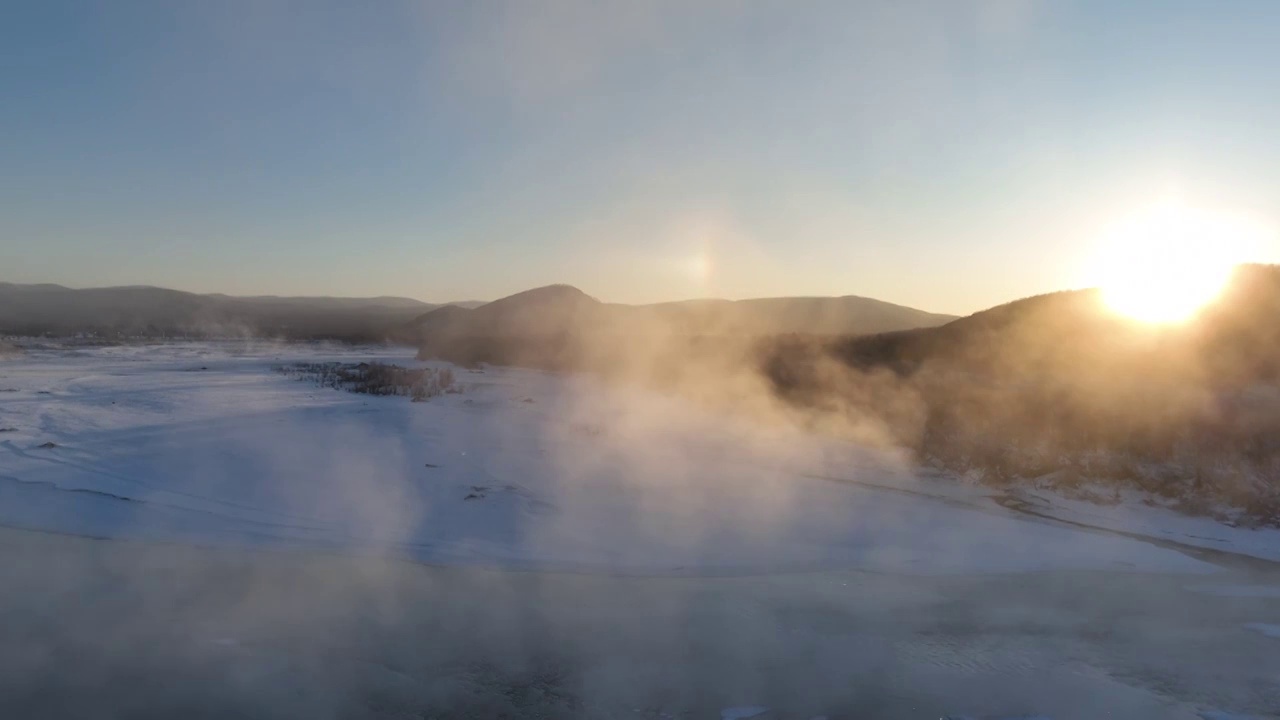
<point x="1135" y="516"/>
<point x="743" y="712"/>
<point x="203" y="443"/>
<point x="1271" y="631"/>
<point x="1238" y="591"/>
<point x="1008" y="717"/>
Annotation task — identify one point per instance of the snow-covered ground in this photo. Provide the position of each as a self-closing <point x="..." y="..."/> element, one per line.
<point x="720" y="566"/>
<point x="204" y="443"/>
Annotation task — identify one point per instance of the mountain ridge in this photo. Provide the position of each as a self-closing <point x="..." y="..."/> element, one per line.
<point x="145" y="310"/>
<point x="560" y="309"/>
<point x="1061" y="391"/>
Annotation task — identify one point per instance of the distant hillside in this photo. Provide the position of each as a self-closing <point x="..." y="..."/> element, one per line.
<point x="1232" y="342"/>
<point x="1052" y="328"/>
<point x="155" y="312"/>
<point x="552" y="310"/>
<point x="845" y="315"/>
<point x="561" y="310"/>
<point x="1060" y="387"/>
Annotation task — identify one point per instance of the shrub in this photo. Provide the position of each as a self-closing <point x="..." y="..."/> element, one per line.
<point x="375" y="378"/>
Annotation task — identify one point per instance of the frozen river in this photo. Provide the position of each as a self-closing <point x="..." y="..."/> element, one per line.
<point x="191" y="533"/>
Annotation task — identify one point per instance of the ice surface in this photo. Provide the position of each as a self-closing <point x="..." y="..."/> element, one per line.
<point x="742" y="712"/>
<point x="1002" y="717"/>
<point x="1238" y="591"/>
<point x="202" y="442"/>
<point x="1135" y="516"/>
<point x="1265" y="628"/>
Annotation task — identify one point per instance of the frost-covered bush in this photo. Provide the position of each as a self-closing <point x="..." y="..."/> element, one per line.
<point x="433" y="383"/>
<point x="375" y="378"/>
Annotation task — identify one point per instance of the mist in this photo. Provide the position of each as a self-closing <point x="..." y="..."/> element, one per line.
<point x="574" y="359"/>
<point x="621" y="522"/>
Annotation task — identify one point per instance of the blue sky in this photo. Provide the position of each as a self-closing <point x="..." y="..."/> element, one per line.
<point x="948" y="155"/>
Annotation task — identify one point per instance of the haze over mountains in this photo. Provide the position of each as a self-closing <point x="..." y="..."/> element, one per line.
<point x="1061" y="389"/>
<point x="1055" y="386"/>
<point x="150" y="311"/>
<point x="558" y="309"/>
<point x="154" y="312"/>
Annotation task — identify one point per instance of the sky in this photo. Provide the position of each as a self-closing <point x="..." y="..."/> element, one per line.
<point x="947" y="155"/>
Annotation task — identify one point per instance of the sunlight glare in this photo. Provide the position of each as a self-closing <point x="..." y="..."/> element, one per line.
<point x="1162" y="266"/>
<point x="698" y="266"/>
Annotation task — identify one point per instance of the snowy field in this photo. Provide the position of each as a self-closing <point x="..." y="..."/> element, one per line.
<point x="689" y="564"/>
<point x="204" y="443"/>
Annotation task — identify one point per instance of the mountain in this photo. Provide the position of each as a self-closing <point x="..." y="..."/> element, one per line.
<point x="565" y="310"/>
<point x="328" y="302"/>
<point x="46" y="309"/>
<point x="1061" y="390"/>
<point x="1232" y="342"/>
<point x="562" y="328"/>
<point x="845" y="315"/>
<point x="552" y="310"/>
<point x="1055" y="326"/>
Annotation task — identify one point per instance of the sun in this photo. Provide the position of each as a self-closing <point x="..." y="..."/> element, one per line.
<point x="1163" y="265"/>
